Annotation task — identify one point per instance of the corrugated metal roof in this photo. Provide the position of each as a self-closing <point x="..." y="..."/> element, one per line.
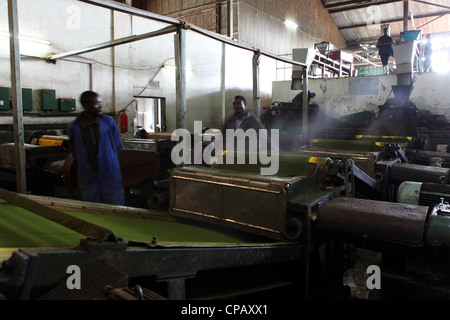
<point x="359" y="21"/>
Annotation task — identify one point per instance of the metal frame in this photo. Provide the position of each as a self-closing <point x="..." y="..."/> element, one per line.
<point x="345" y="6"/>
<point x="429" y="15"/>
<point x="180" y="50"/>
<point x="114" y="43"/>
<point x="159" y="262"/>
<point x="180" y="57"/>
<point x="342" y="7"/>
<point x="17" y="105"/>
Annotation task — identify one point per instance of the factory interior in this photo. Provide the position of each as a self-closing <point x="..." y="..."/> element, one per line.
<point x="356" y="208"/>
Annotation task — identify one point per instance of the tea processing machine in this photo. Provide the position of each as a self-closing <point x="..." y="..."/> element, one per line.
<point x="230" y="231"/>
<point x="267" y="248"/>
<point x="379" y="167"/>
<point x="52" y="171"/>
<point x="227" y="195"/>
<point x="409" y="240"/>
<point x="116" y="247"/>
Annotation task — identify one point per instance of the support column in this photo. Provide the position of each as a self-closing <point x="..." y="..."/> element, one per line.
<point x="230" y="18"/>
<point x="256" y="84"/>
<point x="180" y="63"/>
<point x="16" y="86"/>
<point x="223" y="71"/>
<point x="406" y="14"/>
<point x="113" y="60"/>
<point x="305" y="105"/>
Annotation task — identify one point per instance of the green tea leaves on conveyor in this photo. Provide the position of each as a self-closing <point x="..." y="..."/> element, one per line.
<point x="88" y="229"/>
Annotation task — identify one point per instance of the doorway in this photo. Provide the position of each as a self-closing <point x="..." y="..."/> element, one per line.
<point x="150" y="114"/>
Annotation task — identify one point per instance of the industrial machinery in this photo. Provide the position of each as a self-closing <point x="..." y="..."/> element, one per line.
<point x="423" y="193"/>
<point x="287" y="118"/>
<point x="302" y="231"/>
<point x="43" y="153"/>
<point x="411" y="242"/>
<point x="379" y="168"/>
<point x="228" y="195"/>
<point x="428" y="158"/>
<point x="282" y="207"/>
<point x="115" y="247"/>
<point x="328" y="222"/>
<point x="52" y="171"/>
<point x="139" y="168"/>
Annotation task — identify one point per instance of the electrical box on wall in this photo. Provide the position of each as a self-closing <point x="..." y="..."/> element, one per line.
<point x="66" y="104"/>
<point x="4" y="99"/>
<point x="48" y="100"/>
<point x="27" y="99"/>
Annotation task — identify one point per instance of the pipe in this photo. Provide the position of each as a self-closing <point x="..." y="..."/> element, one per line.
<point x="113" y="5"/>
<point x="114" y="43"/>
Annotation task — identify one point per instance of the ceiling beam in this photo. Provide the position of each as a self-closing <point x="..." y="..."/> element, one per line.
<point x="429" y="15"/>
<point x="342" y="3"/>
<point x="432" y="4"/>
<point x="362" y="6"/>
<point x="356" y="44"/>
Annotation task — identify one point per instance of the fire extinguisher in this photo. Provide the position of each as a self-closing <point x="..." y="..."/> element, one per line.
<point x="124" y="122"/>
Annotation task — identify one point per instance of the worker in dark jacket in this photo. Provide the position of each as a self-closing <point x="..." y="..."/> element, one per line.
<point x="95" y="142"/>
<point x="241" y="119"/>
<point x="384" y="45"/>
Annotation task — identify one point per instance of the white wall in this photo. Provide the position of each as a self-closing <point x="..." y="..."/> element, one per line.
<point x="343" y="96"/>
<point x="216" y="72"/>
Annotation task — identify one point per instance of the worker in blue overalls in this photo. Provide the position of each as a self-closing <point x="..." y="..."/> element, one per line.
<point x="95" y="142"/>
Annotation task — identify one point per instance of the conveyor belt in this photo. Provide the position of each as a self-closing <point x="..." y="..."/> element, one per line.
<point x="96" y="232"/>
<point x="21" y="228"/>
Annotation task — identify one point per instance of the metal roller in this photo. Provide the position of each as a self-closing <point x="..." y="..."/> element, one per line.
<point x="418" y="173"/>
<point x="294" y="229"/>
<point x="374" y="220"/>
<point x="425" y="157"/>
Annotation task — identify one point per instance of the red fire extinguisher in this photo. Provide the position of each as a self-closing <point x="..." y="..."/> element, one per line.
<point x="124" y="122"/>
